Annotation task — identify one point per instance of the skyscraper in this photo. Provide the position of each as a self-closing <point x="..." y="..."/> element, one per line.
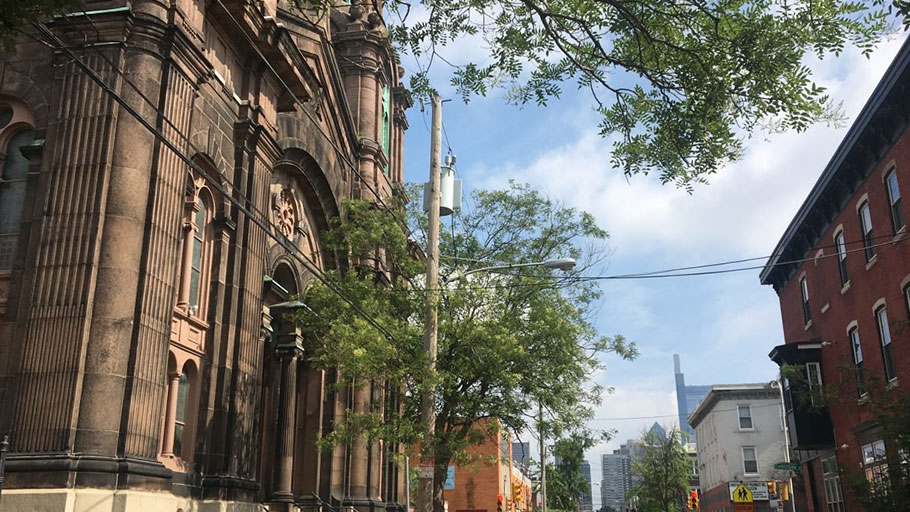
<point x="585" y="501"/>
<point x="687" y="398"/>
<point x="616" y="480"/>
<point x="521" y="455"/>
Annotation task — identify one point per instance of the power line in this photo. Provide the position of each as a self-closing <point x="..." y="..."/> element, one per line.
<point x="291" y="249"/>
<point x="676" y="415"/>
<point x="670" y="272"/>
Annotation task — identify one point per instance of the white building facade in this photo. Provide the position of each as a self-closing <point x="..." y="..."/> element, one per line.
<point x="740" y="437"/>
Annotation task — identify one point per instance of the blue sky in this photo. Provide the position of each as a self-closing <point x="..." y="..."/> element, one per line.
<point x="722" y="326"/>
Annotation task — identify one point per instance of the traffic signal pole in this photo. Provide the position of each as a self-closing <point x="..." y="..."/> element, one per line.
<point x="428" y="394"/>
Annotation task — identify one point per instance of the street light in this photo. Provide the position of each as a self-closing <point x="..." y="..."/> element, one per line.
<point x="564" y="264"/>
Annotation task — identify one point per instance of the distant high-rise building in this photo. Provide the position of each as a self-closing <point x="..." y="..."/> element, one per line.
<point x="616" y="480"/>
<point x="586" y="501"/>
<point x="687" y="398"/>
<point x="521" y="455"/>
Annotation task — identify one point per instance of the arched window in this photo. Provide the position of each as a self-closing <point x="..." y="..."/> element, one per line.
<point x="12" y="185"/>
<point x="15" y="133"/>
<point x="386" y="117"/>
<point x="196" y="261"/>
<point x="180" y="413"/>
<point x="181" y="389"/>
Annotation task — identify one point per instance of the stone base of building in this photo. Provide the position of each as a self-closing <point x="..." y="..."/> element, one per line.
<point x="105" y="500"/>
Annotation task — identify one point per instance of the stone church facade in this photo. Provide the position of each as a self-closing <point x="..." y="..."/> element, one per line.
<point x="168" y="168"/>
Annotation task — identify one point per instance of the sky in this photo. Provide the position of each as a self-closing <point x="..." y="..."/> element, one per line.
<point x="722" y="326"/>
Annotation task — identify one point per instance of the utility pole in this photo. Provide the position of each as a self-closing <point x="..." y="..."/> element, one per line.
<point x="428" y="394"/>
<point x="543" y="462"/>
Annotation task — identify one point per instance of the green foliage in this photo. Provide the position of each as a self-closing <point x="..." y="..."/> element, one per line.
<point x="678" y="83"/>
<point x="16" y="15"/>
<point x="663" y="470"/>
<point x="507" y="341"/>
<point x="893" y="415"/>
<point x="565" y="482"/>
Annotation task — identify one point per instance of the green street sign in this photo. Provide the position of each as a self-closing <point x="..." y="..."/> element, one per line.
<point x="792" y="466"/>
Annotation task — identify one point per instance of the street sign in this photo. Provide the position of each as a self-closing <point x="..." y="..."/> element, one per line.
<point x="741" y="494"/>
<point x="450" y="479"/>
<point x="792" y="466"/>
<point x="743" y="507"/>
<point x="759" y="490"/>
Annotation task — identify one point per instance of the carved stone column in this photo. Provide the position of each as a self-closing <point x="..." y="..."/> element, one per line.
<point x="289" y="347"/>
<point x="167" y="447"/>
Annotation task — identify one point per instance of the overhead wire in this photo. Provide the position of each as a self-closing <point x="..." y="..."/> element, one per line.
<point x="676" y="415"/>
<point x="292" y="250"/>
<point x="671" y="272"/>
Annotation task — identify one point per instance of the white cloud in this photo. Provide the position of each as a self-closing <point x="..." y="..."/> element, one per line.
<point x="743" y="211"/>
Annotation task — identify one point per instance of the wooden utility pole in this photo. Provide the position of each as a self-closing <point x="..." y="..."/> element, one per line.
<point x="543" y="462"/>
<point x="428" y="394"/>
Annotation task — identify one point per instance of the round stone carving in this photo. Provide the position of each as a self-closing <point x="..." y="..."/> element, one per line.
<point x="285" y="213"/>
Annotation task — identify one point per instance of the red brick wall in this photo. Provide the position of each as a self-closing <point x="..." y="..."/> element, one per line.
<point x="487" y="478"/>
<point x="882" y="279"/>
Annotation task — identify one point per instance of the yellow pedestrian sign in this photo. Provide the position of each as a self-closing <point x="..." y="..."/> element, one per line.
<point x="741" y="494"/>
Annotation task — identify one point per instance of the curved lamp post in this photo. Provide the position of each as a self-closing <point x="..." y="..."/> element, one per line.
<point x="564" y="264"/>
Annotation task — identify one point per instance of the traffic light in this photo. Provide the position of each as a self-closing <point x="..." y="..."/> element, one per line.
<point x="772" y="489"/>
<point x="499" y="503"/>
<point x="516" y="492"/>
<point x="692" y="502"/>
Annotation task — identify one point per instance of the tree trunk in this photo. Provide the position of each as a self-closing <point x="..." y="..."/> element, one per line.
<point x="439" y="479"/>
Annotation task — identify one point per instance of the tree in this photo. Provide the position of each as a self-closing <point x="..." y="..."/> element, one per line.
<point x="679" y="84"/>
<point x="663" y="471"/>
<point x="15" y="15"/>
<point x="892" y="490"/>
<point x="507" y="341"/>
<point x="565" y="482"/>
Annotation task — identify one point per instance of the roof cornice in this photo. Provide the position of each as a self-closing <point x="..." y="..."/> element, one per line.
<point x="877" y="126"/>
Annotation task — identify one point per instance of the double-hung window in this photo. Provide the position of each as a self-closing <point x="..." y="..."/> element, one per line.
<point x="842" y="258"/>
<point x="834" y="495"/>
<point x="865" y="222"/>
<point x="875" y="464"/>
<point x="858" y="360"/>
<point x="804" y="293"/>
<point x="894" y="199"/>
<point x="750" y="461"/>
<point x="745" y="417"/>
<point x="884" y="335"/>
<point x="814" y="376"/>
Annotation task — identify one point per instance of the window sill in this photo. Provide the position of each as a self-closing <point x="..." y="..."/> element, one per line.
<point x="826" y="307"/>
<point x="900" y="235"/>
<point x="808" y="325"/>
<point x="845" y="287"/>
<point x="871" y="262"/>
<point x="864" y="398"/>
<point x="892" y="384"/>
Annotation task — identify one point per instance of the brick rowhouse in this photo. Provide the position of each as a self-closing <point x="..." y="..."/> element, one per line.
<point x="841" y="272"/>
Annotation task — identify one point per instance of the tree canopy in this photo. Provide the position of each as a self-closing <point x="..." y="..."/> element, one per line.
<point x="565" y="482"/>
<point x="508" y="341"/>
<point x="15" y="15"/>
<point x="663" y="472"/>
<point x="679" y="84"/>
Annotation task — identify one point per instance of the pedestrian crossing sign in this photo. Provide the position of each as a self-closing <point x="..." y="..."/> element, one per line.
<point x="742" y="494"/>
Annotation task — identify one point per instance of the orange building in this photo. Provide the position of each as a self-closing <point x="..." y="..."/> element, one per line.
<point x="489" y="474"/>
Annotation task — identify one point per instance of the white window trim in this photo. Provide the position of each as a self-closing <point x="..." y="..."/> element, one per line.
<point x="739" y="418"/>
<point x="743" y="453"/>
